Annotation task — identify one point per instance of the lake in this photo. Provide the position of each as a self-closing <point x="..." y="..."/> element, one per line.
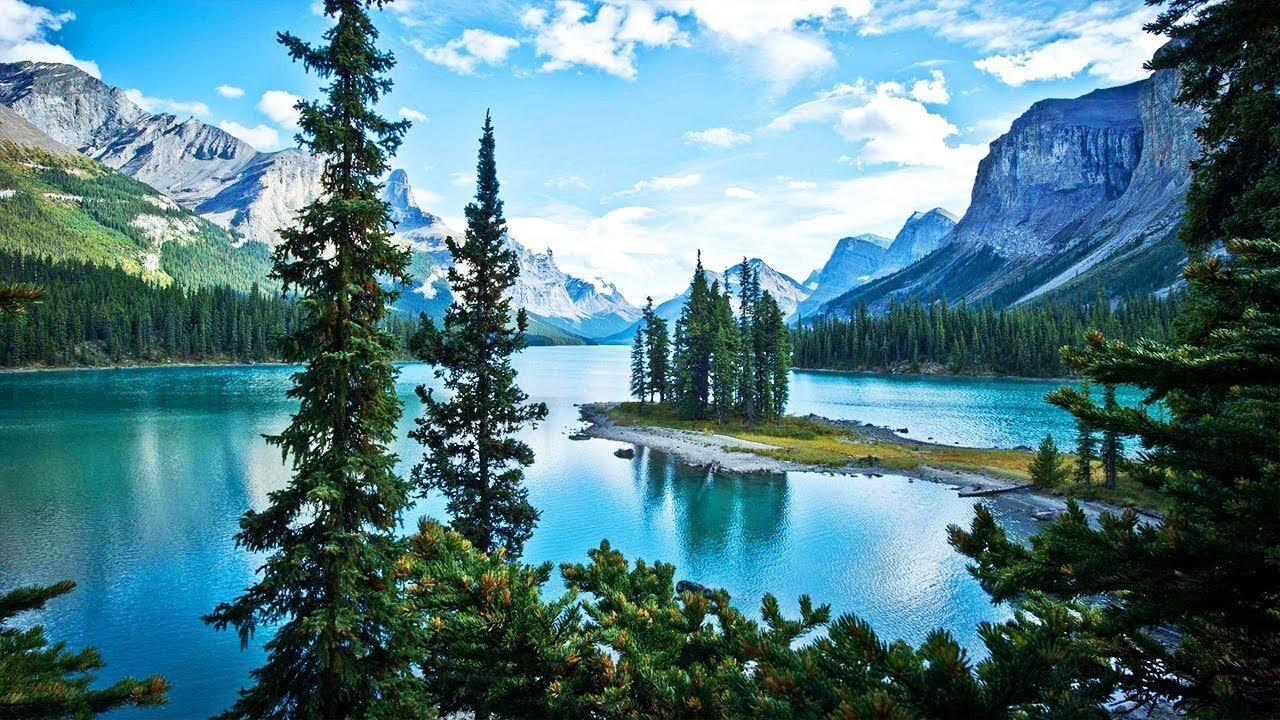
<point x="130" y="482"/>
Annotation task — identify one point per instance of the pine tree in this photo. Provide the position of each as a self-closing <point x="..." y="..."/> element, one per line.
<point x="1046" y="467"/>
<point x="15" y="297"/>
<point x="1191" y="612"/>
<point x="472" y="456"/>
<point x="749" y="297"/>
<point x="1111" y="444"/>
<point x="39" y="680"/>
<point x="659" y="353"/>
<point x="725" y="355"/>
<point x="692" y="353"/>
<point x="1086" y="446"/>
<point x="639" y="370"/>
<point x="327" y="586"/>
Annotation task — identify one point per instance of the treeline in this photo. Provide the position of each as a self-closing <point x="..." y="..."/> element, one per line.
<point x="93" y="315"/>
<point x="1025" y="340"/>
<point x="720" y="364"/>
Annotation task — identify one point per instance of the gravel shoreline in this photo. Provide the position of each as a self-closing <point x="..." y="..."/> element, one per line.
<point x="730" y="454"/>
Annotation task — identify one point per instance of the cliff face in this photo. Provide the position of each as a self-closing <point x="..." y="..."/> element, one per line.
<point x="923" y="233"/>
<point x="200" y="166"/>
<point x="1078" y="194"/>
<point x="853" y="261"/>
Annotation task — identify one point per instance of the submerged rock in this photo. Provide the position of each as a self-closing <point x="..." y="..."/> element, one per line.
<point x="625" y="453"/>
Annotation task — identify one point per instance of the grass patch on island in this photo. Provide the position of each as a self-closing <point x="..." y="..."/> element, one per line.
<point x="811" y="442"/>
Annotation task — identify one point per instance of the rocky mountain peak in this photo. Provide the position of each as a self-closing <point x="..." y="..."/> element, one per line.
<point x="920" y="235"/>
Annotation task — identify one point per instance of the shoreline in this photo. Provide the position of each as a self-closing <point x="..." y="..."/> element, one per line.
<point x="972" y="376"/>
<point x="733" y="455"/>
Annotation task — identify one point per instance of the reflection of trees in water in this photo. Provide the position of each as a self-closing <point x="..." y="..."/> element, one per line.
<point x="720" y="519"/>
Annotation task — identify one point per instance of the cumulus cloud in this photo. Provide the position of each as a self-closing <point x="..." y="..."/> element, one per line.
<point x="738" y="193"/>
<point x="902" y="131"/>
<point x="571" y="36"/>
<point x="1113" y="49"/>
<point x="664" y="184"/>
<point x="464" y="54"/>
<point x="24" y="30"/>
<point x="163" y="105"/>
<point x="262" y="137"/>
<point x="933" y="90"/>
<point x="719" y="137"/>
<point x="229" y="91"/>
<point x="409" y="113"/>
<point x="1026" y="42"/>
<point x="281" y="107"/>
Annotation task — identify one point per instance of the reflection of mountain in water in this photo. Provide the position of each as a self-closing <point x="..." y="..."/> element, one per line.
<point x="713" y="512"/>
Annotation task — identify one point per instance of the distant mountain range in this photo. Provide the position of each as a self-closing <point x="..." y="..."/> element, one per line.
<point x="1080" y="195"/>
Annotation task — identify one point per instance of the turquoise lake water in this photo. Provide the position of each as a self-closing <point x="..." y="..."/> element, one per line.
<point x="130" y="483"/>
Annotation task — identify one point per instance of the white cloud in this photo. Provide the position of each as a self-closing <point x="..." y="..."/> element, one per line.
<point x="1113" y="49"/>
<point x="229" y="91"/>
<point x="163" y="105"/>
<point x="720" y="137"/>
<point x="262" y="137"/>
<point x="409" y="113"/>
<point x="462" y="179"/>
<point x="1025" y="42"/>
<point x="738" y="193"/>
<point x="933" y="90"/>
<point x="664" y="184"/>
<point x="827" y="105"/>
<point x="571" y="36"/>
<point x="902" y="131"/>
<point x="466" y="53"/>
<point x="23" y="36"/>
<point x="425" y="198"/>
<point x="280" y="106"/>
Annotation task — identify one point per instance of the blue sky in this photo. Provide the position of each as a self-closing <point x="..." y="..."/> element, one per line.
<point x="632" y="133"/>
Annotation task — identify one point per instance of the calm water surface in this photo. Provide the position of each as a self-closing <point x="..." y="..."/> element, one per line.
<point x="130" y="482"/>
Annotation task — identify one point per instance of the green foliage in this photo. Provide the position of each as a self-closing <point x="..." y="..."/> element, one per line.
<point x="71" y="208"/>
<point x="1086" y="444"/>
<point x="658" y="345"/>
<point x="16" y="297"/>
<point x="1191" y="613"/>
<point x="1024" y="340"/>
<point x="1046" y="468"/>
<point x="639" y="373"/>
<point x="472" y="457"/>
<point x="328" y="585"/>
<point x="43" y="680"/>
<point x="725" y="365"/>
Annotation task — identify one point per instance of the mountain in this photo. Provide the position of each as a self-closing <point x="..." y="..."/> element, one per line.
<point x="852" y="263"/>
<point x="575" y="308"/>
<point x="923" y="233"/>
<point x="1080" y="194"/>
<point x="783" y="287"/>
<point x="60" y="204"/>
<point x="203" y="168"/>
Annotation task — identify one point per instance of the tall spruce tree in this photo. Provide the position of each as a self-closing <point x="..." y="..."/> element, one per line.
<point x="1192" y="612"/>
<point x="658" y="344"/>
<point x="725" y="355"/>
<point x="39" y="680"/>
<point x="749" y="297"/>
<point x="328" y="585"/>
<point x="639" y="369"/>
<point x="1111" y="445"/>
<point x="695" y="334"/>
<point x="472" y="457"/>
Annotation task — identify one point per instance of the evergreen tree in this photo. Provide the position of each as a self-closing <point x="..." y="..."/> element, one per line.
<point x="1111" y="444"/>
<point x="1086" y="445"/>
<point x="772" y="341"/>
<point x="1046" y="467"/>
<point x="328" y="586"/>
<point x="749" y="295"/>
<point x="639" y="370"/>
<point x="725" y="355"/>
<point x="472" y="456"/>
<point x="1191" y="612"/>
<point x="659" y="348"/>
<point x="39" y="680"/>
<point x="15" y="297"/>
<point x="695" y="334"/>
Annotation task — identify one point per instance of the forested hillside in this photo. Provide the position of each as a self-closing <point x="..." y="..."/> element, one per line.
<point x="1024" y="340"/>
<point x="68" y="207"/>
<point x="93" y="315"/>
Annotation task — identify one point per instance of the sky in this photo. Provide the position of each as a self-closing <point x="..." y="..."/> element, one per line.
<point x="633" y="133"/>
